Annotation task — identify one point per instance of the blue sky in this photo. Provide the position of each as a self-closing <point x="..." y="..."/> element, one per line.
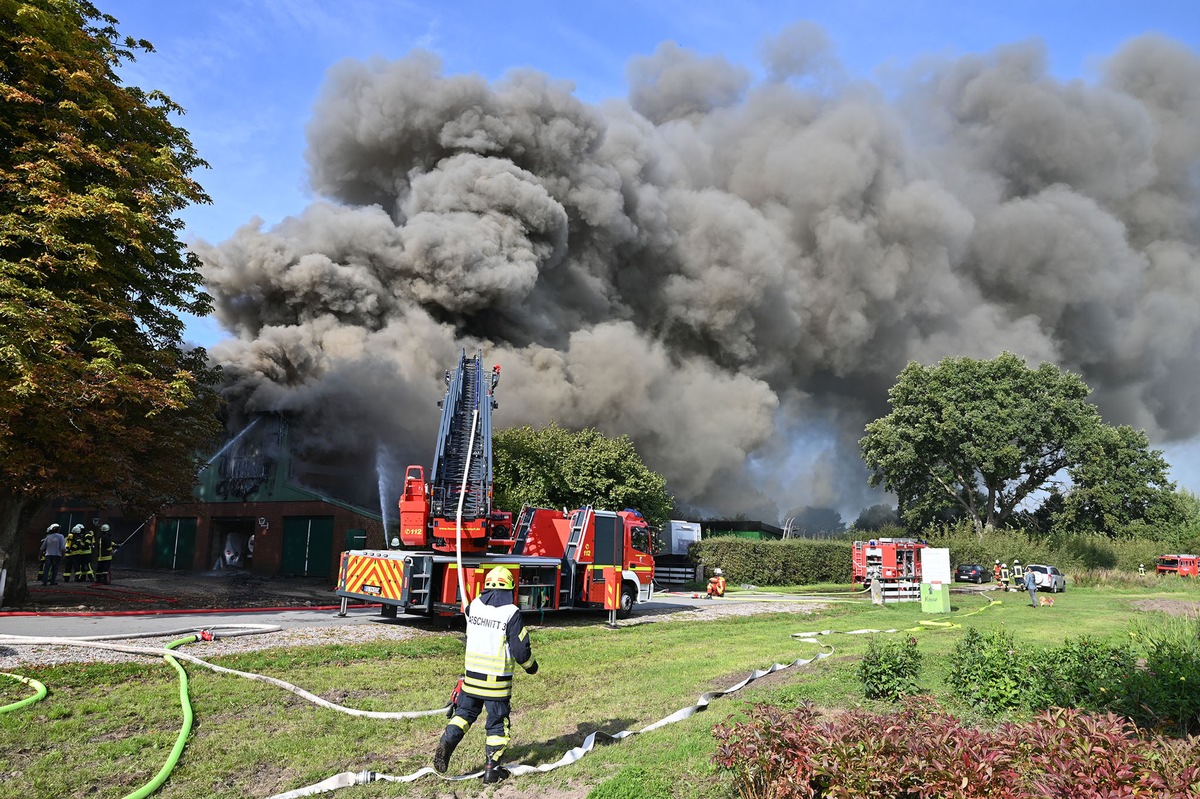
<point x="249" y="71"/>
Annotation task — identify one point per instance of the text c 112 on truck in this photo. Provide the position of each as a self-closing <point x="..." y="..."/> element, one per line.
<point x="558" y="559"/>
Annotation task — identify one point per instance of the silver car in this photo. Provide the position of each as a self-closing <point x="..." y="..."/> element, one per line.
<point x="1048" y="578"/>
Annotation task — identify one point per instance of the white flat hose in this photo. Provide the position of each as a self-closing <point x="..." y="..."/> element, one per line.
<point x="462" y="494"/>
<point x="349" y="778"/>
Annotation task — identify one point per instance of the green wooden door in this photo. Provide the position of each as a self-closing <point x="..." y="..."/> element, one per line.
<point x="175" y="543"/>
<point x="307" y="546"/>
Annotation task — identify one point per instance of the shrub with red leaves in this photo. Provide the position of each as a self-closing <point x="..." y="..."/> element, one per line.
<point x="922" y="751"/>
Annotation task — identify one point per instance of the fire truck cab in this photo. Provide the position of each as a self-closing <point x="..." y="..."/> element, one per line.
<point x="1183" y="565"/>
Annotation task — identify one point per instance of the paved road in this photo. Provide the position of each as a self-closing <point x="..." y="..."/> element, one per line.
<point x="84" y="626"/>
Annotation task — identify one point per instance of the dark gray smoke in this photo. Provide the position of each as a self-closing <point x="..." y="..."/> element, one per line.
<point x="732" y="271"/>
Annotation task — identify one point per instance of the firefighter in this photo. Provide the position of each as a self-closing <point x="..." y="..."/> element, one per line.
<point x="83" y="553"/>
<point x="716" y="584"/>
<point x="1142" y="569"/>
<point x="104" y="556"/>
<point x="496" y="641"/>
<point x="53" y="547"/>
<point x="72" y="556"/>
<point x="1018" y="576"/>
<point x="1004" y="576"/>
<point x="996" y="572"/>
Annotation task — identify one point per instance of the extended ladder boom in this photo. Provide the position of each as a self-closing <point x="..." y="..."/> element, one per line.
<point x="462" y="465"/>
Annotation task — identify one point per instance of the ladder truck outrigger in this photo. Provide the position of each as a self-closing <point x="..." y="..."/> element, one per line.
<point x="586" y="558"/>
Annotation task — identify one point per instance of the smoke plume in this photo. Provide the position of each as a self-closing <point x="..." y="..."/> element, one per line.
<point x="730" y="269"/>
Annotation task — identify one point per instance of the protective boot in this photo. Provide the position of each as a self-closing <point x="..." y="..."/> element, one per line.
<point x="493" y="772"/>
<point x="445" y="748"/>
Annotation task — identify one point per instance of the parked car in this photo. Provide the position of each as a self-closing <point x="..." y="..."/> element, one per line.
<point x="1048" y="578"/>
<point x="971" y="573"/>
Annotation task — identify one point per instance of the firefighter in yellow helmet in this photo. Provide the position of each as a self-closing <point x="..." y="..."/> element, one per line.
<point x="497" y="641"/>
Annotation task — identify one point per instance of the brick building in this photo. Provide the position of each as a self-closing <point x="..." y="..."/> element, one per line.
<point x="252" y="511"/>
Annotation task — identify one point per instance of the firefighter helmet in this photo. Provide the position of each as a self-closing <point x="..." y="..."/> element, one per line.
<point x="499" y="577"/>
<point x="104" y="528"/>
<point x="717" y="571"/>
<point x="1016" y="563"/>
<point x="77" y="528"/>
<point x="53" y="527"/>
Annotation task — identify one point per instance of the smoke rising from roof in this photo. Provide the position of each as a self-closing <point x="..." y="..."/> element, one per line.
<point x="732" y="271"/>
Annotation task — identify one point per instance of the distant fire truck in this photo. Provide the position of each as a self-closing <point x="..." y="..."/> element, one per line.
<point x="582" y="559"/>
<point x="894" y="560"/>
<point x="1183" y="565"/>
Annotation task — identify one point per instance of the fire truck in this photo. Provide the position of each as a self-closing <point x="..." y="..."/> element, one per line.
<point x="895" y="560"/>
<point x="579" y="559"/>
<point x="1183" y="565"/>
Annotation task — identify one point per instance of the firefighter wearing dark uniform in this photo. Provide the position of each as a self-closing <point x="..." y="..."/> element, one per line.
<point x="497" y="641"/>
<point x="83" y="554"/>
<point x="68" y="569"/>
<point x="104" y="556"/>
<point x="1018" y="576"/>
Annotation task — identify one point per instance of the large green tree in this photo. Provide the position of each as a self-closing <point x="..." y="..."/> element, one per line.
<point x="99" y="397"/>
<point x="555" y="468"/>
<point x="1117" y="480"/>
<point x="981" y="436"/>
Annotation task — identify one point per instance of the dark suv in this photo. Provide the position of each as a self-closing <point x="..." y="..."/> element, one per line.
<point x="971" y="573"/>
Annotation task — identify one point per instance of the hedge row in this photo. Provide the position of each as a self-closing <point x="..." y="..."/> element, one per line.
<point x="794" y="561"/>
<point x="1074" y="553"/>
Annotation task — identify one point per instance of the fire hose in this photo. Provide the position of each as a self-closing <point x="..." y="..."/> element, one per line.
<point x="173" y="657"/>
<point x="347" y="779"/>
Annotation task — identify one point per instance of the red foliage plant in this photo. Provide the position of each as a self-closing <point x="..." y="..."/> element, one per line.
<point x="922" y="751"/>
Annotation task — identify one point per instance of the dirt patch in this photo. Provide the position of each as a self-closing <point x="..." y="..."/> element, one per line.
<point x="1172" y="607"/>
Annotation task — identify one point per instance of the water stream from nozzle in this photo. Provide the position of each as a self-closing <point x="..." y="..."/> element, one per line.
<point x="230" y="443"/>
<point x="381" y="470"/>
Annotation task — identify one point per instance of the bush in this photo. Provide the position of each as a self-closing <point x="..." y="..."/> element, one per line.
<point x="991" y="672"/>
<point x="1084" y="673"/>
<point x="794" y="561"/>
<point x="1165" y="692"/>
<point x="1152" y="681"/>
<point x="890" y="670"/>
<point x="923" y="751"/>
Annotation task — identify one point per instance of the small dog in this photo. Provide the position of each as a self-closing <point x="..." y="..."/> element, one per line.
<point x="1046" y="600"/>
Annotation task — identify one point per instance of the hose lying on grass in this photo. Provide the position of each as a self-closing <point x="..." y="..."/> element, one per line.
<point x="167" y="652"/>
<point x="347" y="779"/>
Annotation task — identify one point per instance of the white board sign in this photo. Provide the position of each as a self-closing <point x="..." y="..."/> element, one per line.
<point x="935" y="565"/>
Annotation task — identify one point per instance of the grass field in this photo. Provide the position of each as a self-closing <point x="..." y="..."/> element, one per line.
<point x="105" y="729"/>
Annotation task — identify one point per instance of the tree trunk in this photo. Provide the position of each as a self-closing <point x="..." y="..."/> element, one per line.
<point x="15" y="515"/>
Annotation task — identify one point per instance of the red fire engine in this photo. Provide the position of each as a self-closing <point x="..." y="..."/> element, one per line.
<point x="585" y="558"/>
<point x="893" y="559"/>
<point x="1183" y="565"/>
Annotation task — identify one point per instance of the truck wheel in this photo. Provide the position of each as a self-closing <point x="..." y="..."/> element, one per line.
<point x="628" y="597"/>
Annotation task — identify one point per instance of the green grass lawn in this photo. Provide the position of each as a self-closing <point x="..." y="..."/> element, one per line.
<point x="106" y="729"/>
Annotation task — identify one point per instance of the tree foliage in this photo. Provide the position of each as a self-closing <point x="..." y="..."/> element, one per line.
<point x="1116" y="479"/>
<point x="554" y="467"/>
<point x="99" y="398"/>
<point x="877" y="517"/>
<point x="989" y="438"/>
